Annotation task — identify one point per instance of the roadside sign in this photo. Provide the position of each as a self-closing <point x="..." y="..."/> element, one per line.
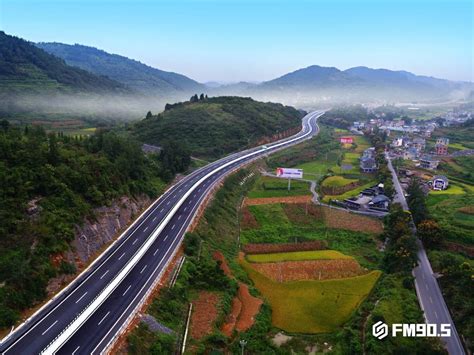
<point x="289" y="173"/>
<point x="347" y="140"/>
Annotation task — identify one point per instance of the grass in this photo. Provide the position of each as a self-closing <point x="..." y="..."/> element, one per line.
<point x="453" y="189"/>
<point x="447" y="210"/>
<point x="297" y="255"/>
<point x="276" y="227"/>
<point x="312" y="306"/>
<point x="323" y="164"/>
<point x="274" y="187"/>
<point x="350" y="193"/>
<point x="362" y="143"/>
<point x="457" y="146"/>
<point x="337" y="181"/>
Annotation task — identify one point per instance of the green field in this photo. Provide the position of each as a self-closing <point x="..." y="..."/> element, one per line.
<point x="350" y="193"/>
<point x="453" y="189"/>
<point x="446" y="208"/>
<point x="274" y="187"/>
<point x="312" y="306"/>
<point x="362" y="143"/>
<point x="322" y="166"/>
<point x="337" y="181"/>
<point x="297" y="255"/>
<point x="277" y="225"/>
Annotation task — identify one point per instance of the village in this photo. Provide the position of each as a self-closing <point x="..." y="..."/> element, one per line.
<point x="415" y="150"/>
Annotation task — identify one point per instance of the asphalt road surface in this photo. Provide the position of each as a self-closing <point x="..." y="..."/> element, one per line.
<point x="86" y="317"/>
<point x="427" y="288"/>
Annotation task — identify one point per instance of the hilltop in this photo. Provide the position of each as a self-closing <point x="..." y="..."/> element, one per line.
<point x="212" y="127"/>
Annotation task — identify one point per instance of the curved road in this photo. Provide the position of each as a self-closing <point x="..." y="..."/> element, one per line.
<point x="86" y="317"/>
<point x="429" y="294"/>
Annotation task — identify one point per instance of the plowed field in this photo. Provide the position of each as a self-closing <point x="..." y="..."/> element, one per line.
<point x="310" y="270"/>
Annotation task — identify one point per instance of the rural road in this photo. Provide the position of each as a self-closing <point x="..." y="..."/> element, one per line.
<point x="429" y="294"/>
<point x="89" y="314"/>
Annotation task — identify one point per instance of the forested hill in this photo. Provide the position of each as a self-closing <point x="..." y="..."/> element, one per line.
<point x="49" y="183"/>
<point x="127" y="71"/>
<point x="25" y="68"/>
<point x="212" y="127"/>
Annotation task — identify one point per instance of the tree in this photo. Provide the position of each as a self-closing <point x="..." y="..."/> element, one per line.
<point x="400" y="255"/>
<point x="53" y="154"/>
<point x="201" y="97"/>
<point x="194" y="98"/>
<point x="4" y="124"/>
<point x="191" y="244"/>
<point x="396" y="223"/>
<point x="174" y="157"/>
<point x="417" y="201"/>
<point x="430" y="233"/>
<point x="149" y="115"/>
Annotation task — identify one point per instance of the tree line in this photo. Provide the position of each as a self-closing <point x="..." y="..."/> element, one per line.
<point x="49" y="182"/>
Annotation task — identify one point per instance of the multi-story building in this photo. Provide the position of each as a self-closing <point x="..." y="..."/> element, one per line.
<point x="428" y="162"/>
<point x="441" y="146"/>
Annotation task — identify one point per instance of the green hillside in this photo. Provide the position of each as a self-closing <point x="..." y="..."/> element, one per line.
<point x="51" y="182"/>
<point x="215" y="126"/>
<point x="127" y="71"/>
<point x="24" y="68"/>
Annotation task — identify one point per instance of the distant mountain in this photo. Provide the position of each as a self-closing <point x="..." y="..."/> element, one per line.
<point x="360" y="84"/>
<point x="24" y="68"/>
<point x="312" y="76"/>
<point x="132" y="73"/>
<point x="400" y="77"/>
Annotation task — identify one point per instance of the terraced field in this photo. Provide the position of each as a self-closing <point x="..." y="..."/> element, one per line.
<point x="312" y="306"/>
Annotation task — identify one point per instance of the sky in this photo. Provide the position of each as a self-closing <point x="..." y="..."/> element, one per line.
<point x="257" y="40"/>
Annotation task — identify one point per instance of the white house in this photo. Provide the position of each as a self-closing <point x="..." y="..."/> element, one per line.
<point x="440" y="182"/>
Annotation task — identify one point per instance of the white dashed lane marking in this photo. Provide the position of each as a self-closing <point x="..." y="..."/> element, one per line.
<point x="80" y="298"/>
<point x="103" y="318"/>
<point x="128" y="288"/>
<point x="105" y="273"/>
<point x="49" y="328"/>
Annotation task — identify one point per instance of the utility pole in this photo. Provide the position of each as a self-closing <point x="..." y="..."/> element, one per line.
<point x="289" y="184"/>
<point x="242" y="344"/>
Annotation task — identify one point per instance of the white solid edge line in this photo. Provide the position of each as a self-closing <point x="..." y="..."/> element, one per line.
<point x="175" y="241"/>
<point x="155" y="205"/>
<point x="191" y="216"/>
<point x="71" y="329"/>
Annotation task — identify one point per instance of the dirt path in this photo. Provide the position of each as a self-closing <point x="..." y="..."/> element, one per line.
<point x="204" y="314"/>
<point x="245" y="307"/>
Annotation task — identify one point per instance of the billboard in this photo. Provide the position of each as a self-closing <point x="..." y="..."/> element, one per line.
<point x="289" y="173"/>
<point x="347" y="140"/>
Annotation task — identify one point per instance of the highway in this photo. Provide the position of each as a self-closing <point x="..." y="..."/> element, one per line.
<point x="88" y="315"/>
<point x="429" y="294"/>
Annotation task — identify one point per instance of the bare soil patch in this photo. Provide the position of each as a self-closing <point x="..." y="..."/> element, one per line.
<point x="302" y="213"/>
<point x="268" y="248"/>
<point x="467" y="209"/>
<point x="204" y="314"/>
<point x="271" y="200"/>
<point x="248" y="220"/>
<point x="231" y="319"/>
<point x="310" y="270"/>
<point x="344" y="220"/>
<point x="460" y="248"/>
<point x="244" y="306"/>
<point x="223" y="263"/>
<point x="250" y="307"/>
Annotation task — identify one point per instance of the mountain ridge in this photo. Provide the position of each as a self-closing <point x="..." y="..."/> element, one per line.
<point x="133" y="73"/>
<point x="26" y="68"/>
